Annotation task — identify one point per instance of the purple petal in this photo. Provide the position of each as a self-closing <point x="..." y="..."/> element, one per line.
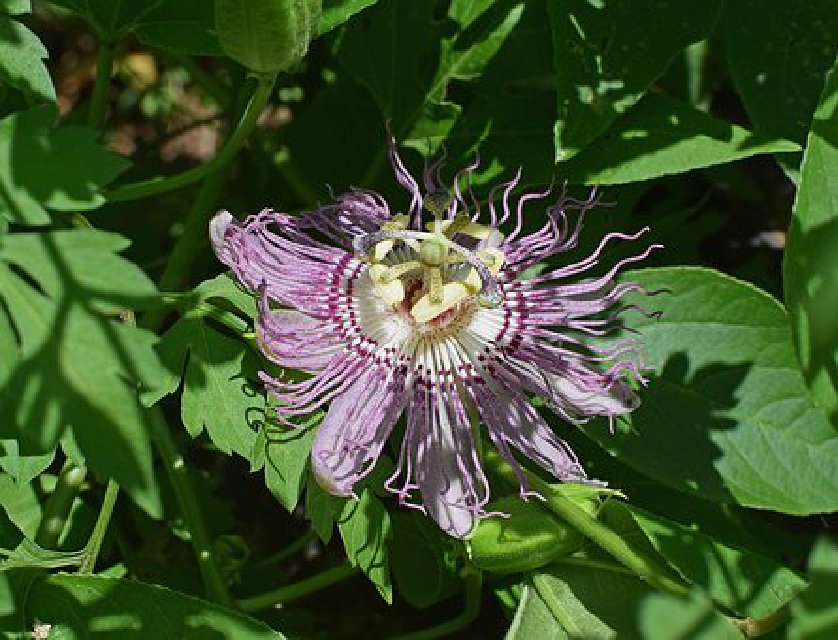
<point x="354" y="431"/>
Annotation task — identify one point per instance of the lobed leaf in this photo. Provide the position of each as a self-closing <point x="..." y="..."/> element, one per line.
<point x="77" y="366"/>
<point x="42" y="167"/>
<point x="22" y="60"/>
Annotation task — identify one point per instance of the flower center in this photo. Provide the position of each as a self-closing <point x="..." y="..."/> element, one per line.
<point x="430" y="275"/>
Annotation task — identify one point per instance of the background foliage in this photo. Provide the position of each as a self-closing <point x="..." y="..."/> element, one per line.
<point x="127" y="363"/>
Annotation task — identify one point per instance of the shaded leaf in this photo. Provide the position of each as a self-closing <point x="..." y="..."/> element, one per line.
<point x="336" y="12"/>
<point x="741" y="580"/>
<point x="287" y="453"/>
<point x="781" y="79"/>
<point x="606" y="55"/>
<point x="726" y="414"/>
<point x="815" y="614"/>
<point x="422" y="560"/>
<point x="42" y="167"/>
<point x="660" y="136"/>
<point x="810" y="265"/>
<point x="407" y="60"/>
<point x="322" y="509"/>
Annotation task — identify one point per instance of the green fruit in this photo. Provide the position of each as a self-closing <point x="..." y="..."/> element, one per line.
<point x="529" y="538"/>
<point x="266" y="36"/>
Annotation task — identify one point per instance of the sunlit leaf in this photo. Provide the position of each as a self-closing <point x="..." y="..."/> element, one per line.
<point x="120" y="607"/>
<point x="43" y="167"/>
<point x="660" y="136"/>
<point x="22" y="60"/>
<point x="726" y="414"/>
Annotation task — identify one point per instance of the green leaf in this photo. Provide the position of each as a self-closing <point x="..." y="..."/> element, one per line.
<point x="590" y="602"/>
<point x="365" y="528"/>
<point x="287" y="453"/>
<point x="186" y="26"/>
<point x="599" y="603"/>
<point x="15" y="7"/>
<point x="407" y="61"/>
<point x="660" y="136"/>
<point x="726" y="414"/>
<point x="22" y="61"/>
<point x="607" y="54"/>
<point x="21" y="505"/>
<point x="336" y="12"/>
<point x="663" y="617"/>
<point x="79" y="367"/>
<point x="745" y="582"/>
<point x="42" y="167"/>
<point x="217" y="394"/>
<point x="74" y="605"/>
<point x="322" y="509"/>
<point x="423" y="560"/>
<point x="779" y="54"/>
<point x="21" y="468"/>
<point x="810" y="265"/>
<point x="815" y="614"/>
<point x="533" y="619"/>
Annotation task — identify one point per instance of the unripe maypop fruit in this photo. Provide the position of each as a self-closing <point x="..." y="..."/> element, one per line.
<point x="531" y="537"/>
<point x="266" y="36"/>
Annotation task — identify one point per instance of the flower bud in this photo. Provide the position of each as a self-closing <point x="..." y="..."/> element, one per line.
<point x="529" y="538"/>
<point x="266" y="36"/>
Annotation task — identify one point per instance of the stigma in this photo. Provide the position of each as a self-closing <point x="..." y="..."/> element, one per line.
<point x="451" y="265"/>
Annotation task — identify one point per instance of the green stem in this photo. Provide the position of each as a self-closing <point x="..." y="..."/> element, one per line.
<point x="298" y="589"/>
<point x="474" y="583"/>
<point x="593" y="529"/>
<point x="59" y="504"/>
<point x="258" y="99"/>
<point x="101" y="84"/>
<point x="181" y="484"/>
<point x="94" y="545"/>
<point x="755" y="627"/>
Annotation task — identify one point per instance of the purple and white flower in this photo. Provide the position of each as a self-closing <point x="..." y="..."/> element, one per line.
<point x="432" y="314"/>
